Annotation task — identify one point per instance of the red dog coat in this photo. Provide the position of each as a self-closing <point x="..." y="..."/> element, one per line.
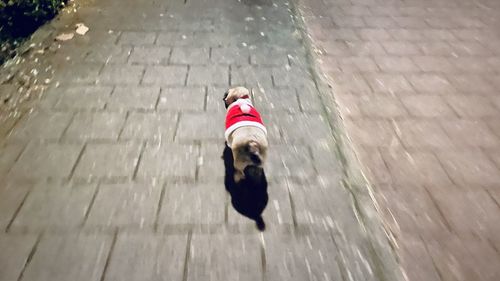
<point x="242" y="113"/>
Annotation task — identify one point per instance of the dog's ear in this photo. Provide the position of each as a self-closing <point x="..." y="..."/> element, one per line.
<point x="224" y="99"/>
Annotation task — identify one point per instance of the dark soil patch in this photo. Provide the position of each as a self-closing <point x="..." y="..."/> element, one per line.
<point x="20" y="18"/>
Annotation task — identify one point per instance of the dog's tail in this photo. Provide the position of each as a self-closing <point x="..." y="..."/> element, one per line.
<point x="261" y="225"/>
<point x="253" y="148"/>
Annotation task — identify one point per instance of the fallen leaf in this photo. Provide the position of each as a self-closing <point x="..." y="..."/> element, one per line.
<point x="81" y="28"/>
<point x="65" y="36"/>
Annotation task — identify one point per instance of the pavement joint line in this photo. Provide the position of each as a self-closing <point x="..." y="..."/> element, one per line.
<point x="30" y="257"/>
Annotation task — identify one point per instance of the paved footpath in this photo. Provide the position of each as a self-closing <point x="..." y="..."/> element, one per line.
<point x="116" y="173"/>
<point x="417" y="83"/>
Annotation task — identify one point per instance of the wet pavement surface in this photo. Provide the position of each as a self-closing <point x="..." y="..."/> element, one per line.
<point x="116" y="173"/>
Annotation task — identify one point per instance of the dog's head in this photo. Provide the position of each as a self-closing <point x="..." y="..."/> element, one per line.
<point x="234" y="94"/>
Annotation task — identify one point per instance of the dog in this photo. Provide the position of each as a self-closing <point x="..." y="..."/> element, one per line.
<point x="244" y="156"/>
<point x="245" y="132"/>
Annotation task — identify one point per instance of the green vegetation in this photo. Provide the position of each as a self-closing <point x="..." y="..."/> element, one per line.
<point x="20" y="18"/>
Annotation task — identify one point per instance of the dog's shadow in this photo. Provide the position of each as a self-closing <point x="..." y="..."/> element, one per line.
<point x="249" y="196"/>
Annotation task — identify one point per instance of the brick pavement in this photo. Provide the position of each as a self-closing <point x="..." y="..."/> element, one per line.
<point x="115" y="174"/>
<point x="416" y="84"/>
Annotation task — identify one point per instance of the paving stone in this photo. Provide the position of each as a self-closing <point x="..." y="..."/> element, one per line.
<point x="54" y="205"/>
<point x="372" y="133"/>
<point x="380" y="106"/>
<point x="308" y="257"/>
<point x="168" y="160"/>
<point x="365" y="48"/>
<point x="175" y="38"/>
<point x="105" y="54"/>
<point x="325" y="159"/>
<point x="471" y="49"/>
<point x="343" y="34"/>
<point x="411" y="210"/>
<point x="309" y="99"/>
<point x="165" y="75"/>
<point x="209" y="251"/>
<point x="125" y="205"/>
<point x="188" y="38"/>
<point x="374" y="166"/>
<point x="34" y="126"/>
<point x="11" y="197"/>
<point x="137" y="38"/>
<point x="81" y="97"/>
<point x="470" y="133"/>
<point x="415" y="168"/>
<point x="214" y="101"/>
<point x="41" y="161"/>
<point x="470" y="168"/>
<point x="392" y="83"/>
<point x="211" y="165"/>
<point x="150" y="55"/>
<point x="8" y="156"/>
<point x="231" y="55"/>
<point x="147" y="257"/>
<point x="438" y="48"/>
<point x="349" y="21"/>
<point x="150" y="126"/>
<point x="477" y="261"/>
<point x="276" y="99"/>
<point x="434" y="64"/>
<point x="392" y="64"/>
<point x="472" y="106"/>
<point x="71" y="257"/>
<point x="14" y="255"/>
<point x="401" y="48"/>
<point x="182" y="99"/>
<point x="206" y="201"/>
<point x="470" y="83"/>
<point x="196" y="126"/>
<point x="411" y="35"/>
<point x="95" y="125"/>
<point x="357" y="64"/>
<point x="372" y="34"/>
<point x="289" y="160"/>
<point x="108" y="160"/>
<point x="189" y="55"/>
<point x="349" y="83"/>
<point x="427" y="106"/>
<point x="334" y="48"/>
<point x="349" y="105"/>
<point x="208" y="75"/>
<point x="121" y="74"/>
<point x="311" y="208"/>
<point x="272" y="56"/>
<point x="475" y="65"/>
<point x="84" y="73"/>
<point x="302" y="128"/>
<point x="422" y="134"/>
<point x="134" y="98"/>
<point x="251" y="76"/>
<point x="417" y="262"/>
<point x="286" y="77"/>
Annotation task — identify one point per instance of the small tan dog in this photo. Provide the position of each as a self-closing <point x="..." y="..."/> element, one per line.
<point x="245" y="134"/>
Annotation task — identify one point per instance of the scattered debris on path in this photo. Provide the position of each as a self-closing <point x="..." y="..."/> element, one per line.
<point x="65" y="36"/>
<point x="81" y="29"/>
